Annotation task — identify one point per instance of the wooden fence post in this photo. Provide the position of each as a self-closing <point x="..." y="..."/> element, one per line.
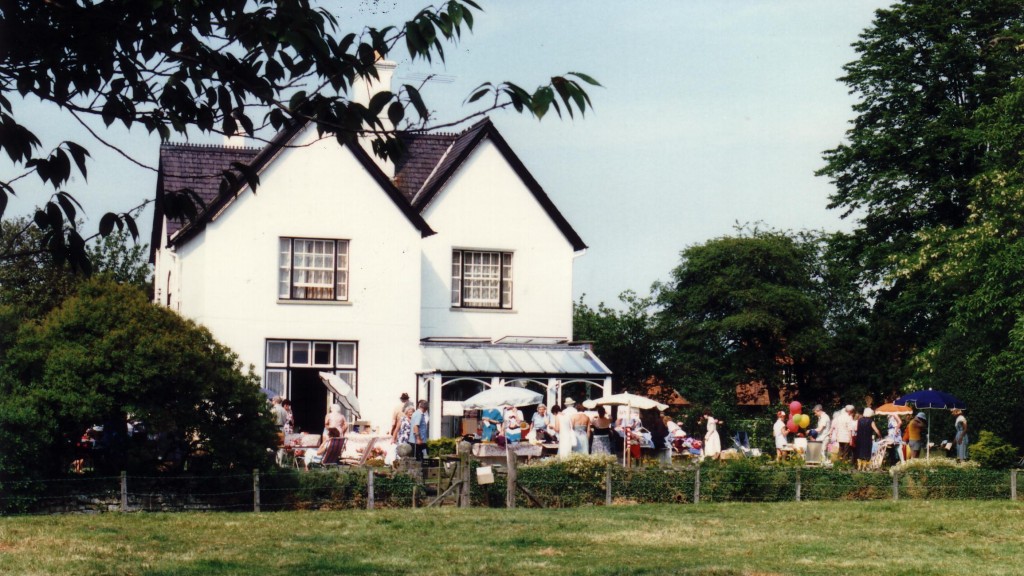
<point x="608" y="485"/>
<point x="1013" y="484"/>
<point x="895" y="486"/>
<point x="124" y="491"/>
<point x="797" y="484"/>
<point x="696" y="487"/>
<point x="465" y="474"/>
<point x="255" y="489"/>
<point x="369" y="490"/>
<point x="510" y="489"/>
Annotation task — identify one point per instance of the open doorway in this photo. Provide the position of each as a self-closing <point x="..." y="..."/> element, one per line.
<point x="309" y="400"/>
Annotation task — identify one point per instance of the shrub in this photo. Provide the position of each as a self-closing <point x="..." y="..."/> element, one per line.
<point x="991" y="451"/>
<point x="441" y="447"/>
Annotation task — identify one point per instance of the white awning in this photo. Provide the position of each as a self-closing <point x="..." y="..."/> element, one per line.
<point x="510" y="359"/>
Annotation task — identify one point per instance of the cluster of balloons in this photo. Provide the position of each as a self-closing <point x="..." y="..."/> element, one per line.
<point x="797" y="420"/>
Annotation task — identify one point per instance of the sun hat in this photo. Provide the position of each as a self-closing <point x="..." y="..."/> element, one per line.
<point x="569" y="401"/>
<point x="781" y="414"/>
<point x="849" y="408"/>
<point x="404" y="396"/>
<point x="921" y="416"/>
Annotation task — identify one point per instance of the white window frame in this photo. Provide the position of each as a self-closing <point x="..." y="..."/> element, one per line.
<point x="481" y="279"/>
<point x="297" y="345"/>
<point x="338" y="355"/>
<point x="283" y="345"/>
<point x="285" y="392"/>
<point x="348" y="371"/>
<point x="330" y="354"/>
<point x="321" y="263"/>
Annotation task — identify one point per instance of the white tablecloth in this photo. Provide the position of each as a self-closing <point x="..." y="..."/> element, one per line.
<point x="357" y="443"/>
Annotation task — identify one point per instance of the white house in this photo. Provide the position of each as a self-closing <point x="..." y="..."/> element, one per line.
<point x="444" y="274"/>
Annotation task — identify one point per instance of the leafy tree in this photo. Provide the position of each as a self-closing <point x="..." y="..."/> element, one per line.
<point x="924" y="69"/>
<point x="980" y="353"/>
<point x="121" y="259"/>
<point x="925" y="75"/>
<point x="32" y="282"/>
<point x="743" y="308"/>
<point x="626" y="341"/>
<point x="217" y="66"/>
<point x="106" y="355"/>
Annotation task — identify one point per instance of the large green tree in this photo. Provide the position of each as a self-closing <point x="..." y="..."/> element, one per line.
<point x="924" y="70"/>
<point x="744" y="308"/>
<point x="216" y="66"/>
<point x="106" y="355"/>
<point x="979" y="355"/>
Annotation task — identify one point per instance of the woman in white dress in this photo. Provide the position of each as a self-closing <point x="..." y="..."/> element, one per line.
<point x="712" y="443"/>
<point x="562" y="424"/>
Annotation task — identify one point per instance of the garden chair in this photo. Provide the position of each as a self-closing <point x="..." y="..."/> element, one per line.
<point x="331" y="455"/>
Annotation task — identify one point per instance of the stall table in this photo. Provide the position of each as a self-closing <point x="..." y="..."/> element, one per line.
<point x="489" y="453"/>
<point x="357" y="444"/>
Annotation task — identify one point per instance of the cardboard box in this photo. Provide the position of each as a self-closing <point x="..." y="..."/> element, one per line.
<point x="484" y="475"/>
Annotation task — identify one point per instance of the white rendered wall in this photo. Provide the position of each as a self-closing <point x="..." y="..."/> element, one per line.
<point x="486" y="206"/>
<point x="229" y="273"/>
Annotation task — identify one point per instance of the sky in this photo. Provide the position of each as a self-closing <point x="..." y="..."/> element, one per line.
<point x="711" y="113"/>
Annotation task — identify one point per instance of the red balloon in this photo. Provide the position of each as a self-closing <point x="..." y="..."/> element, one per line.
<point x="794" y="407"/>
<point x="792" y="426"/>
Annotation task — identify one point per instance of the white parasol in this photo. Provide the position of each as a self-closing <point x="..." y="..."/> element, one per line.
<point x="346" y="395"/>
<point x="499" y="396"/>
<point x="631" y="400"/>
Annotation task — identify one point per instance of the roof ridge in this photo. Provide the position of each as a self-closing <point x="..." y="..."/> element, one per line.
<point x="210" y="146"/>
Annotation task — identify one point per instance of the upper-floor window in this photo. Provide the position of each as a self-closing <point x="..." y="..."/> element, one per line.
<point x="313" y="269"/>
<point x="481" y="279"/>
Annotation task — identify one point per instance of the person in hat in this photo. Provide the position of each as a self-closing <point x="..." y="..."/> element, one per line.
<point x="960" y="442"/>
<point x="914" y="436"/>
<point x="396" y="417"/>
<point x="866" y="434"/>
<point x="570" y="407"/>
<point x="779" y="433"/>
<point x="712" y="441"/>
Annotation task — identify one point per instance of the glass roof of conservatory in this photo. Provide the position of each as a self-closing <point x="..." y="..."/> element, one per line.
<point x="479" y="358"/>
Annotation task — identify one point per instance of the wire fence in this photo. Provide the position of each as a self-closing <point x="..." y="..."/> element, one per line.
<point x="456" y="483"/>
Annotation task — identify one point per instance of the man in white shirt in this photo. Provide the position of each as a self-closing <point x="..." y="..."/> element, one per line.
<point x="842" y="426"/>
<point x="824" y="425"/>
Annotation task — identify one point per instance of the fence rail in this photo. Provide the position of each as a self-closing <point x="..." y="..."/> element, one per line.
<point x="441" y="484"/>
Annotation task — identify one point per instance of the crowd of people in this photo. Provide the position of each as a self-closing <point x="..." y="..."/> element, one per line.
<point x="854" y="436"/>
<point x="849" y="434"/>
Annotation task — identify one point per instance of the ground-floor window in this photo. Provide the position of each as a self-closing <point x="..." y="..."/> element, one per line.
<point x="292" y="371"/>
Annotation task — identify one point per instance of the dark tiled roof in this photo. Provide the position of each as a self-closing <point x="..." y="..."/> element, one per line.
<point x="422" y="153"/>
<point x="461" y="146"/>
<point x="198" y="167"/>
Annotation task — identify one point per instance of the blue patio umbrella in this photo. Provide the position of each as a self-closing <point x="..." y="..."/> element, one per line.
<point x="930" y="400"/>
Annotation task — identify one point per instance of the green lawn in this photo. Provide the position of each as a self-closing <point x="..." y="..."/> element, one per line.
<point x="835" y="538"/>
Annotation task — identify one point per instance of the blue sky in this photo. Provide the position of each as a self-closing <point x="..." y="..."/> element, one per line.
<point x="712" y="112"/>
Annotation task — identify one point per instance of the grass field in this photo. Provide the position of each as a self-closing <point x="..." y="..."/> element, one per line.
<point x="835" y="538"/>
